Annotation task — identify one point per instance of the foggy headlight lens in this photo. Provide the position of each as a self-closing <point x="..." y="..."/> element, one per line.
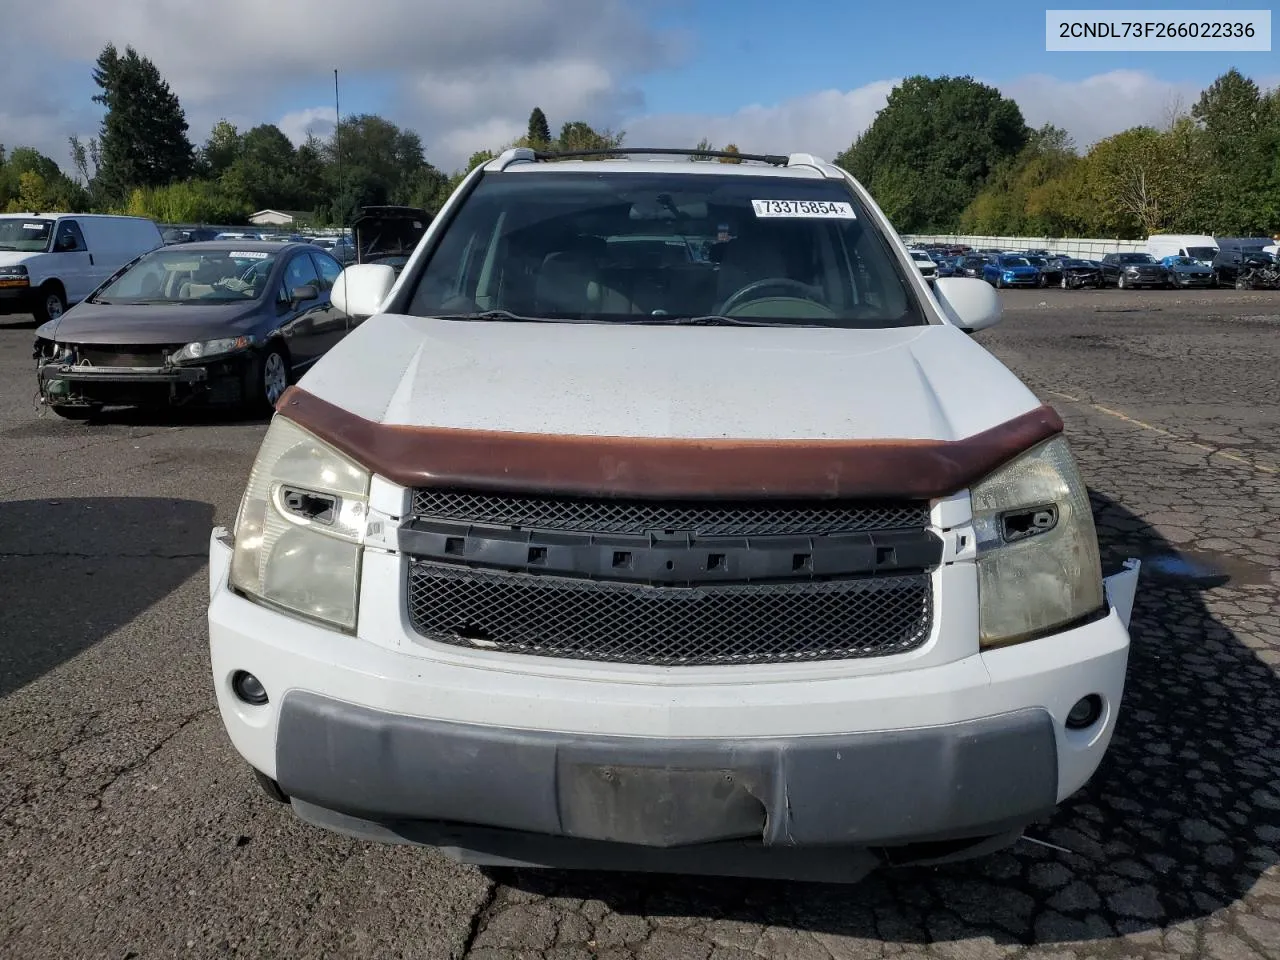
<point x="300" y="528"/>
<point x="212" y="348"/>
<point x="1038" y="561"/>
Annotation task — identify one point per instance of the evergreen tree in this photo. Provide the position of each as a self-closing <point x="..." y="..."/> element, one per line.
<point x="143" y="140"/>
<point x="539" y="129"/>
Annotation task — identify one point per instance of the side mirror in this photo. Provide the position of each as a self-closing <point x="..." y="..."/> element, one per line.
<point x="969" y="303"/>
<point x="302" y="294"/>
<point x="361" y="288"/>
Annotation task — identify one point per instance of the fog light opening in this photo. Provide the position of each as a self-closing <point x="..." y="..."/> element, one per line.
<point x="1085" y="712"/>
<point x="248" y="688"/>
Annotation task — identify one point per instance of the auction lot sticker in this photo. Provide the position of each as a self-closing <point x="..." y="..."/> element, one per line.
<point x="249" y="255"/>
<point x="819" y="209"/>
<point x="1157" y="31"/>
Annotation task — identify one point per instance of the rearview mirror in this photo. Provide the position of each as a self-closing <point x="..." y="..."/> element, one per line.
<point x="361" y="288"/>
<point x="969" y="303"/>
<point x="304" y="293"/>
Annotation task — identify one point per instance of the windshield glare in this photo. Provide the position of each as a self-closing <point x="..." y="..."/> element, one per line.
<point x="1136" y="258"/>
<point x="26" y="235"/>
<point x="1015" y="262"/>
<point x="192" y="276"/>
<point x="659" y="247"/>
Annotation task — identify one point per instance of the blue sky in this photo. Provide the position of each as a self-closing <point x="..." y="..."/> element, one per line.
<point x="805" y="75"/>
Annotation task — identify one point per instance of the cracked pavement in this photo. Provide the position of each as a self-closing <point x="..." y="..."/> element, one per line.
<point x="128" y="827"/>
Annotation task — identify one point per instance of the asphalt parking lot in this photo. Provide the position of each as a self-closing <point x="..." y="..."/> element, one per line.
<point x="129" y="829"/>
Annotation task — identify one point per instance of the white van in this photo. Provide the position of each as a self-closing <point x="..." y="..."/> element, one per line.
<point x="50" y="261"/>
<point x="1197" y="247"/>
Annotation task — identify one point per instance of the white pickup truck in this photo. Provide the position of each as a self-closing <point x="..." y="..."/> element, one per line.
<point x="663" y="516"/>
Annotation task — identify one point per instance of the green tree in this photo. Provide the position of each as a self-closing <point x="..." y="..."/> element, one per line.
<point x="143" y="139"/>
<point x="221" y="150"/>
<point x="29" y="180"/>
<point x="730" y="148"/>
<point x="381" y="163"/>
<point x="1019" y="197"/>
<point x="539" y="134"/>
<point x="578" y="135"/>
<point x="1240" y="191"/>
<point x="933" y="147"/>
<point x="191" y="201"/>
<point x="703" y="144"/>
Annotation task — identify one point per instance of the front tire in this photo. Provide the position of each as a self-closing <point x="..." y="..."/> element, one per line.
<point x="269" y="376"/>
<point x="51" y="303"/>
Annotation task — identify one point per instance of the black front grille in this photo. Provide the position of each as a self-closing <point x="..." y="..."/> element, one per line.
<point x="667" y="626"/>
<point x="638" y="517"/>
<point x="144" y="356"/>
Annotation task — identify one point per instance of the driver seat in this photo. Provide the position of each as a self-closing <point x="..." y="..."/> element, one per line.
<point x="753" y="255"/>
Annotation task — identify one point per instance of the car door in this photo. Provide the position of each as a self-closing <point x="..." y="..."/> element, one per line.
<point x="303" y="323"/>
<point x="337" y="323"/>
<point x="1110" y="269"/>
<point x="72" y="261"/>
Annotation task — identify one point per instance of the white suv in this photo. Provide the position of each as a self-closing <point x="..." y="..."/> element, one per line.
<point x="662" y="516"/>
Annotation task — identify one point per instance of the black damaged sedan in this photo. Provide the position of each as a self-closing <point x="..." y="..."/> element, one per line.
<point x="224" y="322"/>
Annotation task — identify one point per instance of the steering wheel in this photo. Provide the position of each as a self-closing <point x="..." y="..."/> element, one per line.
<point x="751" y="292"/>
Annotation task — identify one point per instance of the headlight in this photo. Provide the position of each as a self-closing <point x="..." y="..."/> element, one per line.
<point x="300" y="527"/>
<point x="211" y="348"/>
<point x="14" y="276"/>
<point x="1038" y="561"/>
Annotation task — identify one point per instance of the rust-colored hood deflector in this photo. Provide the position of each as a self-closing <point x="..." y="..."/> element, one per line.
<point x="645" y="467"/>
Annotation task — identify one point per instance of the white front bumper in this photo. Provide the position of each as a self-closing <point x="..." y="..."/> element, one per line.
<point x="401" y="675"/>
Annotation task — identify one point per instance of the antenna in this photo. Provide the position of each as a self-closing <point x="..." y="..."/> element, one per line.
<point x="337" y="146"/>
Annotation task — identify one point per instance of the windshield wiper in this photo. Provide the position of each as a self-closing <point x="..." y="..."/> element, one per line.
<point x="715" y="320"/>
<point x="508" y="316"/>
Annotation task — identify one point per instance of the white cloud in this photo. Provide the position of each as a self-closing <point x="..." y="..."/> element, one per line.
<point x="299" y="124"/>
<point x="1099" y="106"/>
<point x="825" y="122"/>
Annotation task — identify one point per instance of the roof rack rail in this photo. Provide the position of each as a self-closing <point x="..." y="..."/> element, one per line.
<point x="769" y="158"/>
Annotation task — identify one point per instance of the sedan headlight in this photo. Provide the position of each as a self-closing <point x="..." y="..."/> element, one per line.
<point x="301" y="526"/>
<point x="211" y="348"/>
<point x="1038" y="563"/>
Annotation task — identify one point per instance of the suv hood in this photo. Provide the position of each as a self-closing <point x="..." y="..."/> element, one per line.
<point x="620" y="380"/>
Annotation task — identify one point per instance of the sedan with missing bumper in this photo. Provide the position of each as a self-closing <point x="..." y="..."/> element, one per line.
<point x="224" y="322"/>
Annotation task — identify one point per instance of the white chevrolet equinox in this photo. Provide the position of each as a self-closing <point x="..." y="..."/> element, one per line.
<point x="662" y="516"/>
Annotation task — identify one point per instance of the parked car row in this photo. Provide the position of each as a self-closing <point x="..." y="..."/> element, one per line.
<point x="1228" y="267"/>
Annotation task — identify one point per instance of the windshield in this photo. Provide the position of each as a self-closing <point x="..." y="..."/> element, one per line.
<point x="1014" y="262"/>
<point x="29" y="236"/>
<point x="192" y="276"/>
<point x="1201" y="253"/>
<point x="1183" y="262"/>
<point x="1135" y="258"/>
<point x="664" y="247"/>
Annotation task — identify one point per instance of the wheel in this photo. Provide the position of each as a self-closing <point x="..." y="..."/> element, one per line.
<point x="51" y="304"/>
<point x="75" y="412"/>
<point x="999" y="283"/>
<point x="1042" y="281"/>
<point x="268" y="378"/>
<point x="1120" y="285"/>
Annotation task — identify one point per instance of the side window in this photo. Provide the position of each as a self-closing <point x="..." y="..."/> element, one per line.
<point x="299" y="272"/>
<point x="329" y="270"/>
<point x="69" y="238"/>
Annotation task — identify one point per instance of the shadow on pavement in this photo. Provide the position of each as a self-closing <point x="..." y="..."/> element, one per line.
<point x="1181" y="819"/>
<point x="73" y="570"/>
<point x="185" y="416"/>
